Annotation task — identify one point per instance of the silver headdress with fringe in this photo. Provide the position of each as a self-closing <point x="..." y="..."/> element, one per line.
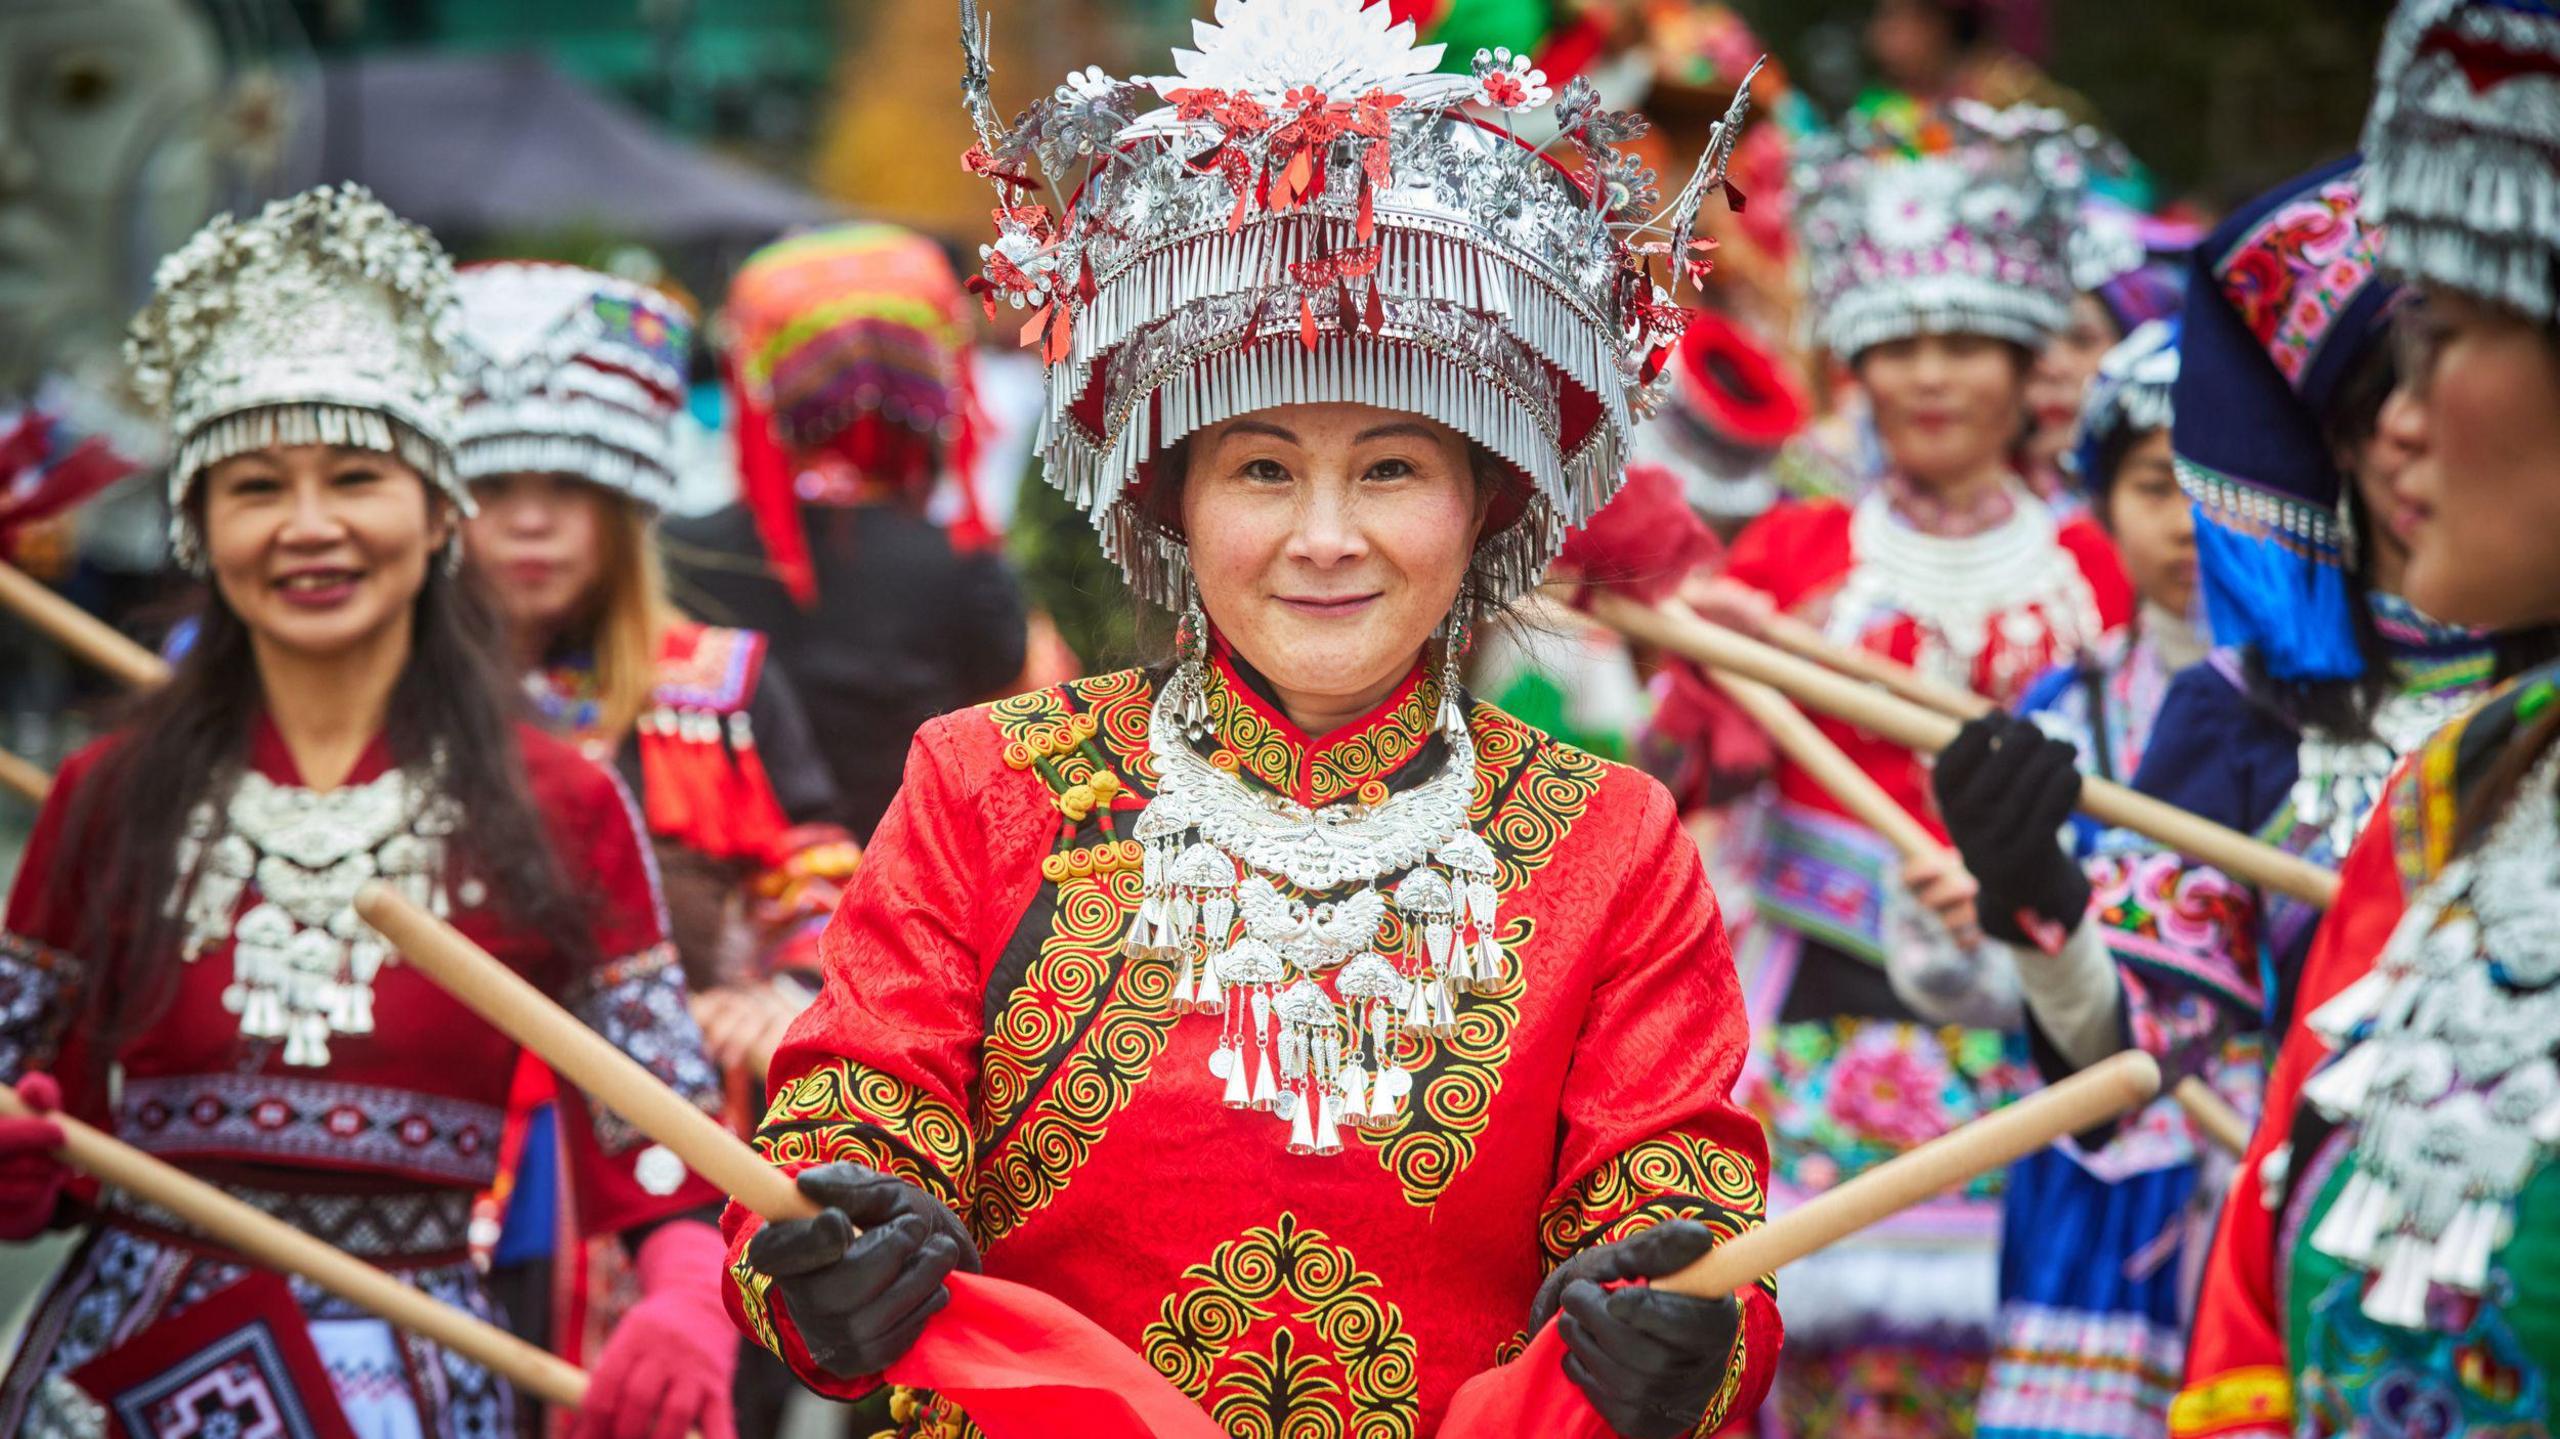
<point x="2462" y="150"/>
<point x="1315" y="215"/>
<point x="570" y="371"/>
<point x="1975" y="239"/>
<point x="325" y="320"/>
<point x="2132" y="394"/>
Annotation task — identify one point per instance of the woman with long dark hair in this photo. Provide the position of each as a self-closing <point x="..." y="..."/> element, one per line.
<point x="183" y="916"/>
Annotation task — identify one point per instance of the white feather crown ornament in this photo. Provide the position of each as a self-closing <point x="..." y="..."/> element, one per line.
<point x="326" y="319"/>
<point x="1315" y="214"/>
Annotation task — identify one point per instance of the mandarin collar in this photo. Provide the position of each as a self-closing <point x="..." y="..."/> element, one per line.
<point x="2428" y="654"/>
<point x="270" y="756"/>
<point x="1248" y="724"/>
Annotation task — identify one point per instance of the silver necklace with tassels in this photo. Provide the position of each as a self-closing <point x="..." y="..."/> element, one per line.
<point x="1315" y="993"/>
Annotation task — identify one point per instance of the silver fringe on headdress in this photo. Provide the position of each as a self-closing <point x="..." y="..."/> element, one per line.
<point x="1975" y="240"/>
<point x="2462" y="150"/>
<point x="1313" y="217"/>
<point x="570" y="371"/>
<point x="326" y="319"/>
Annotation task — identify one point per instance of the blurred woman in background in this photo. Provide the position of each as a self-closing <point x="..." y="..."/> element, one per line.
<point x="572" y="382"/>
<point x="1952" y="565"/>
<point x="850" y="400"/>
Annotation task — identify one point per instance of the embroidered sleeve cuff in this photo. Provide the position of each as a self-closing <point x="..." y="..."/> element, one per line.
<point x="843" y="1111"/>
<point x="2172" y="919"/>
<point x="638" y="1003"/>
<point x="37" y="983"/>
<point x="1670" y="1176"/>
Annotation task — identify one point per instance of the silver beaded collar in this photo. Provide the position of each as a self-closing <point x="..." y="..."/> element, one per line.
<point x="2444" y="1062"/>
<point x="1278" y="915"/>
<point x="302" y="963"/>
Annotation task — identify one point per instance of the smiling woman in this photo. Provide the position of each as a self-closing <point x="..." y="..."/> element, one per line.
<point x="183" y="917"/>
<point x="1329" y="542"/>
<point x="1290" y="947"/>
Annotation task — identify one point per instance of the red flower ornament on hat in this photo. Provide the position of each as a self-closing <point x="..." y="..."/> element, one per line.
<point x="1313" y="214"/>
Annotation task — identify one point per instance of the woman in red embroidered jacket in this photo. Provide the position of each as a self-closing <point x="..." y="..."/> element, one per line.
<point x="1314" y="1031"/>
<point x="184" y="913"/>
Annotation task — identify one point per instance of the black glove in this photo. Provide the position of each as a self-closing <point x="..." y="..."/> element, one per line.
<point x="2004" y="788"/>
<point x="1649" y="1360"/>
<point x="860" y="1300"/>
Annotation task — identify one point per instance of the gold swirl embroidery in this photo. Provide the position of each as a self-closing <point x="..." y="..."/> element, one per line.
<point x="1279" y="1333"/>
<point x="1328" y="771"/>
<point x="1670" y="1176"/>
<point x="843" y="1110"/>
<point x="1076" y="1036"/>
<point x="1529" y="792"/>
<point x="1090" y="1073"/>
<point x="1378" y="751"/>
<point x="755" y="1298"/>
<point x="1258" y="745"/>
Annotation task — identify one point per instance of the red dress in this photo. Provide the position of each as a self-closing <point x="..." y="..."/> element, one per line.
<point x="983" y="1034"/>
<point x="379" y="1149"/>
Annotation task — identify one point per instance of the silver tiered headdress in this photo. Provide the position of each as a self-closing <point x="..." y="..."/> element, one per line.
<point x="2462" y="150"/>
<point x="1976" y="239"/>
<point x="327" y="319"/>
<point x="1314" y="216"/>
<point x="570" y="371"/>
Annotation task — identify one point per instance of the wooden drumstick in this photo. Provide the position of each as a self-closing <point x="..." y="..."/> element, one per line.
<point x="1684" y="633"/>
<point x="2095" y="1095"/>
<point x="25" y="776"/>
<point x="2214" y="1117"/>
<point x="270" y="1241"/>
<point x="1813" y="752"/>
<point x="578" y="1054"/>
<point x="1805" y="642"/>
<point x="79" y="631"/>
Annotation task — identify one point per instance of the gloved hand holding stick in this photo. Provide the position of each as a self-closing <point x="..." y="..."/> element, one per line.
<point x="1809" y="684"/>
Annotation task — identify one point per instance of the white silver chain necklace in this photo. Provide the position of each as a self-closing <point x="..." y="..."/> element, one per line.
<point x="1216" y="850"/>
<point x="2339" y="780"/>
<point x="302" y="963"/>
<point x="2444" y="1062"/>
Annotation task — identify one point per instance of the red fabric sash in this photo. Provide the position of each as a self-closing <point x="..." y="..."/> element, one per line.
<point x="1025" y="1366"/>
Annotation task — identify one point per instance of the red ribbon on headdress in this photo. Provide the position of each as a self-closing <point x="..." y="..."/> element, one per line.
<point x="764" y="484"/>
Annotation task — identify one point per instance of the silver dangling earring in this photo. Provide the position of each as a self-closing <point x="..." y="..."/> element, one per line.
<point x="2350" y="544"/>
<point x="1191" y="670"/>
<point x="1457" y="636"/>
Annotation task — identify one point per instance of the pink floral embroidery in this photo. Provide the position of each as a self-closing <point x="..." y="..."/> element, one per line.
<point x="1891" y="1093"/>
